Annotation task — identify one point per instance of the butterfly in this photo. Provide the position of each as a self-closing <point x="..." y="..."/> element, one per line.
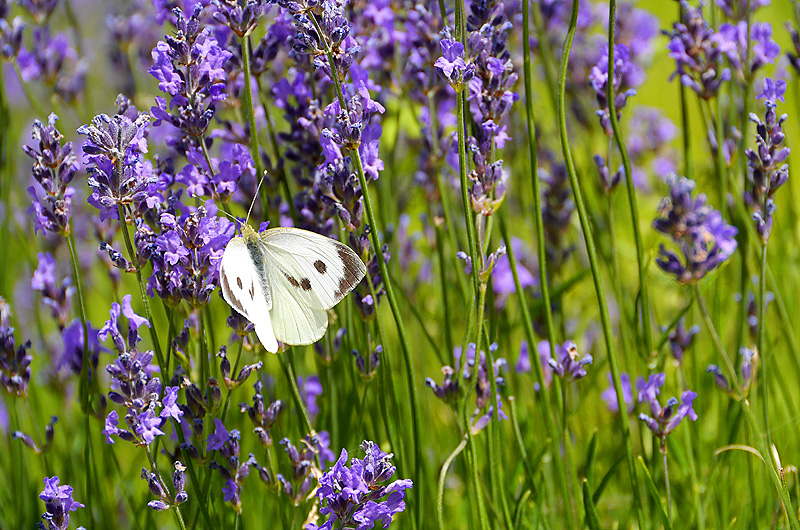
<point x="284" y="280"/>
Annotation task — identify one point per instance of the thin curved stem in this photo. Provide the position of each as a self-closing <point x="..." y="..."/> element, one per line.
<point x="592" y="254"/>
<point x="626" y="164"/>
<point x="442" y="475"/>
<point x="251" y="119"/>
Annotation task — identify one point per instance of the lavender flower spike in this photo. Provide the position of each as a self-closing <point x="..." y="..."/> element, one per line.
<point x="452" y="64"/>
<point x="58" y="504"/>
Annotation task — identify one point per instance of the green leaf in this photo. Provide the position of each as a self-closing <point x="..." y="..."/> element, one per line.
<point x="654" y="493"/>
<point x="588" y="506"/>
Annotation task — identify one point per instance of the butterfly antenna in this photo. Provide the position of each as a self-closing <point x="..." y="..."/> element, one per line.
<point x="220" y="210"/>
<point x="254" y="196"/>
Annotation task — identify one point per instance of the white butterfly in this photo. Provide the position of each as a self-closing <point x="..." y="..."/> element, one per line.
<point x="284" y="280"/>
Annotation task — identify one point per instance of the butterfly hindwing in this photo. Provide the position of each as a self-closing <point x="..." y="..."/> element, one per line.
<point x="245" y="286"/>
<point x="320" y="271"/>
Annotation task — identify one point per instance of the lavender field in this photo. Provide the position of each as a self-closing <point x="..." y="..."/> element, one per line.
<point x="578" y="301"/>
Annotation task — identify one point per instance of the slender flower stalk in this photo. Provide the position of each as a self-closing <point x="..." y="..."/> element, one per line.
<point x="626" y="162"/>
<point x="251" y="120"/>
<point x="592" y="252"/>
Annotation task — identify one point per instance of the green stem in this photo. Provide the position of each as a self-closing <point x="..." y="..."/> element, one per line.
<point x="291" y="376"/>
<point x="442" y="475"/>
<point x="544" y="392"/>
<point x="762" y="349"/>
<point x="84" y="376"/>
<point x="688" y="168"/>
<point x="134" y="258"/>
<point x="592" y="254"/>
<point x="251" y="120"/>
<point x="462" y="172"/>
<point x="666" y="478"/>
<point x="626" y="163"/>
<point x="273" y="138"/>
<point x="175" y="507"/>
<point x="541" y="240"/>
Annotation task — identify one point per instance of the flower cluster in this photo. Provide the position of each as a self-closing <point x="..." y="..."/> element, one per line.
<point x="58" y="503"/>
<point x="135" y="388"/>
<point x="15" y="362"/>
<point x="262" y="417"/>
<point x="120" y="177"/>
<point x="557" y="209"/>
<point x="474" y="372"/>
<point x="56" y="297"/>
<point x="731" y="40"/>
<point x="747" y="370"/>
<point x="305" y="470"/>
<point x="697" y="54"/>
<point x="680" y="340"/>
<point x="598" y="78"/>
<point x="227" y="444"/>
<point x="46" y="61"/>
<point x="185" y="254"/>
<point x="664" y="419"/>
<point x="165" y="500"/>
<point x="767" y="168"/>
<point x="54" y="167"/>
<point x="705" y="240"/>
<point x="189" y="66"/>
<point x="567" y="364"/>
<point x="358" y="495"/>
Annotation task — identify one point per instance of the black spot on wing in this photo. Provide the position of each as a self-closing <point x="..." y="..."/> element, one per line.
<point x="351" y="273"/>
<point x="291" y="280"/>
<point x="226" y="287"/>
<point x="320" y="266"/>
<point x="252" y="290"/>
<point x="239" y="282"/>
<point x="305" y="283"/>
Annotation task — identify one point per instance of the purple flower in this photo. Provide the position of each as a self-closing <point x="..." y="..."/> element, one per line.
<point x="186" y="254"/>
<point x="56" y="297"/>
<point x="609" y="395"/>
<point x="358" y="496"/>
<point x="772" y="90"/>
<point x="524" y="361"/>
<point x="147" y="426"/>
<point x="681" y="339"/>
<point x="15" y="362"/>
<point x="111" y="426"/>
<point x="666" y="419"/>
<point x="119" y="174"/>
<point x="732" y="41"/>
<point x="189" y="66"/>
<point x="705" y="239"/>
<point x="746" y="369"/>
<point x="598" y="78"/>
<point x="737" y="9"/>
<point x="220" y="436"/>
<point x="72" y="356"/>
<point x="697" y="54"/>
<point x="310" y="389"/>
<point x="169" y="400"/>
<point x="58" y="504"/>
<point x="47" y="62"/>
<point x="567" y="362"/>
<point x="452" y="64"/>
<point x="767" y="170"/>
<point x="54" y="167"/>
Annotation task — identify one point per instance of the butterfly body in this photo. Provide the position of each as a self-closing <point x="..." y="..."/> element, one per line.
<point x="284" y="280"/>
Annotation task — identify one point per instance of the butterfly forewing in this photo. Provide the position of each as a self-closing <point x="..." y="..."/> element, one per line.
<point x="319" y="271"/>
<point x="246" y="287"/>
